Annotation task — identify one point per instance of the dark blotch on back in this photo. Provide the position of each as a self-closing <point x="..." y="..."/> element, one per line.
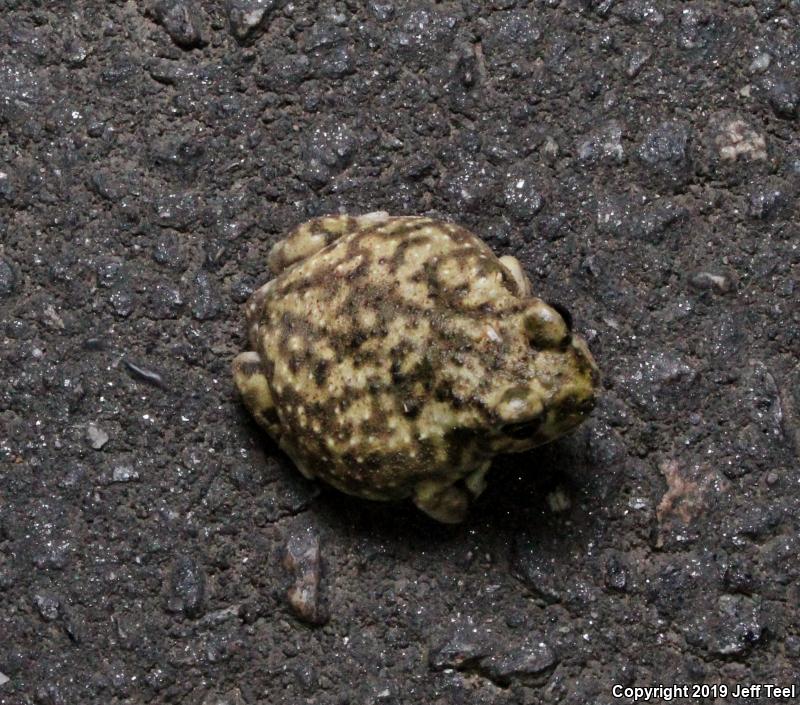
<point x="459" y="441"/>
<point x="444" y="393"/>
<point x="321" y="372"/>
<point x="411" y="406"/>
<point x="399" y="255"/>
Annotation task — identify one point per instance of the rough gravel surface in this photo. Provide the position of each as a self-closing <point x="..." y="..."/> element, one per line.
<point x="640" y="157"/>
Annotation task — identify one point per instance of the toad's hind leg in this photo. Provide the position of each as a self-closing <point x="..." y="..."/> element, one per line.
<point x="442" y="500"/>
<point x="254" y="388"/>
<point x="252" y="385"/>
<point x="512" y="265"/>
<point x="475" y="482"/>
<point x="313" y="235"/>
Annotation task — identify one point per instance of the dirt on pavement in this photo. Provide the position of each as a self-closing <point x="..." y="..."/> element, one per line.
<point x="640" y="157"/>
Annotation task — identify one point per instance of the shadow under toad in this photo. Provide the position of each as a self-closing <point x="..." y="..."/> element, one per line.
<point x="547" y="490"/>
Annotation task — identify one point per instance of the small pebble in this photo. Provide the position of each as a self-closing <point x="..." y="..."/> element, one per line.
<point x="302" y="561"/>
<point x="665" y="152"/>
<point x="736" y="138"/>
<point x="109" y="271"/>
<point x="522" y="197"/>
<point x="639" y="11"/>
<point x="124" y="473"/>
<point x="122" y="302"/>
<point x="95" y="344"/>
<point x="616" y="577"/>
<point x="95" y="128"/>
<point x="232" y="697"/>
<point x="169" y="73"/>
<point x="784" y="97"/>
<point x="531" y="661"/>
<point x="241" y="289"/>
<point x="144" y="374"/>
<point x="96" y="436"/>
<point x="604" y="144"/>
<point x="284" y="72"/>
<point x="246" y="17"/>
<point x="693" y="21"/>
<point x="760" y="63"/>
<point x="535" y="569"/>
<point x="165" y="302"/>
<point x="177" y="210"/>
<point x="474" y="184"/>
<point x="7" y="191"/>
<point x="7" y="279"/>
<point x="475" y="648"/>
<point x="465" y="644"/>
<point x="329" y="41"/>
<point x="635" y="62"/>
<point x="766" y="202"/>
<point x="181" y="21"/>
<point x="48" y="606"/>
<point x="187" y="587"/>
<point x="381" y="10"/>
<point x="74" y="53"/>
<point x="329" y="150"/>
<point x="205" y="305"/>
<point x="167" y="251"/>
<point x="706" y="280"/>
<point x="550" y="147"/>
<point x="792" y="644"/>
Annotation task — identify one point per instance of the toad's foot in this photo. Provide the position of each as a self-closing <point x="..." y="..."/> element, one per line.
<point x="442" y="501"/>
<point x="476" y="480"/>
<point x="512" y="265"/>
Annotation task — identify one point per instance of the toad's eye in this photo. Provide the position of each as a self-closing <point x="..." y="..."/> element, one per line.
<point x="564" y="311"/>
<point x="522" y="430"/>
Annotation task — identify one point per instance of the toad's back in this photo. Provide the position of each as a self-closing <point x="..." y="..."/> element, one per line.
<point x="374" y="348"/>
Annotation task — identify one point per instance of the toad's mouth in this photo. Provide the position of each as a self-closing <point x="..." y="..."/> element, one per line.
<point x="522" y="430"/>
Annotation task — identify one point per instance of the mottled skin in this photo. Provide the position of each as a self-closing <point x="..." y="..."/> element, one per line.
<point x="393" y="357"/>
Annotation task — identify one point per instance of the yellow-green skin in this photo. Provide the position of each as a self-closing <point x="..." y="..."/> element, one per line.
<point x="393" y="357"/>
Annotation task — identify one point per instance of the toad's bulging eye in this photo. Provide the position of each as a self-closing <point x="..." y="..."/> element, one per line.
<point x="564" y="311"/>
<point x="522" y="430"/>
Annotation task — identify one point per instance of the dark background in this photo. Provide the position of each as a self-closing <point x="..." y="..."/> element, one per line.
<point x="641" y="159"/>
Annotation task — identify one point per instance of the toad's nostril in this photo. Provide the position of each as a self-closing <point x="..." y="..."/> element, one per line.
<point x="564" y="311"/>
